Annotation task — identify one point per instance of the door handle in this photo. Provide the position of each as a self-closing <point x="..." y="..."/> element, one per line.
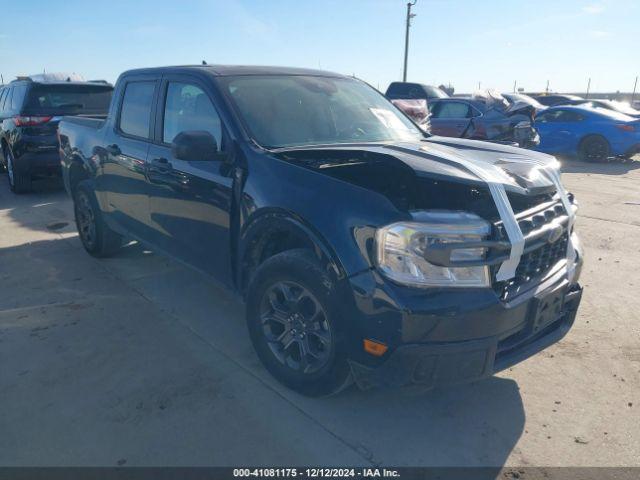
<point x="161" y="164"/>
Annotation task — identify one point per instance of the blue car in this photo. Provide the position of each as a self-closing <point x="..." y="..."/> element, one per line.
<point x="593" y="134"/>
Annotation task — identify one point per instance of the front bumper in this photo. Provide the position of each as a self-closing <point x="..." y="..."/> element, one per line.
<point x="442" y="364"/>
<point x="441" y="338"/>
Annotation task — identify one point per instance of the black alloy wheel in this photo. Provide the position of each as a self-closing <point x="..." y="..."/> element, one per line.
<point x="295" y="326"/>
<point x="297" y="323"/>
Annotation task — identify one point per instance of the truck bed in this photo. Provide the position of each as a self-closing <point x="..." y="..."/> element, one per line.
<point x="90" y="121"/>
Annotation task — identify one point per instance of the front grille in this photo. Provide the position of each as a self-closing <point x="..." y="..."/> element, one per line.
<point x="540" y="261"/>
<point x="536" y="263"/>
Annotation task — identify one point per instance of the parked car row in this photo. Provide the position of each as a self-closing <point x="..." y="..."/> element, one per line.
<point x="592" y="129"/>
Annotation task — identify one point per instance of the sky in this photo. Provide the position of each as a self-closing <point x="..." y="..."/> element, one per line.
<point x="462" y="42"/>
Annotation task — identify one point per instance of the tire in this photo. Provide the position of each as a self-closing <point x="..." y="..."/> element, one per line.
<point x="19" y="182"/>
<point x="96" y="236"/>
<point x="291" y="300"/>
<point x="594" y="148"/>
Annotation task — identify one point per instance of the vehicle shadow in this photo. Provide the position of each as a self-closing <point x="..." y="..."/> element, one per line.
<point x="475" y="424"/>
<point x="467" y="425"/>
<point x="616" y="166"/>
<point x="46" y="208"/>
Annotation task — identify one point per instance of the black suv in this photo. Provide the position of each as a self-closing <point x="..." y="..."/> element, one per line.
<point x="30" y="109"/>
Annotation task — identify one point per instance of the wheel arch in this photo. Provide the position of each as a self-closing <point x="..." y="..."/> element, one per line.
<point x="592" y="134"/>
<point x="77" y="171"/>
<point x="274" y="231"/>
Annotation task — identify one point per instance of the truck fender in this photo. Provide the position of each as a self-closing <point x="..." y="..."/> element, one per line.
<point x="273" y="231"/>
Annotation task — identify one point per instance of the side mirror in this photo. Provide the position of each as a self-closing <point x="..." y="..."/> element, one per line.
<point x="194" y="145"/>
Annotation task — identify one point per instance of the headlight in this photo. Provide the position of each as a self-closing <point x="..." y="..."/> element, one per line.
<point x="403" y="248"/>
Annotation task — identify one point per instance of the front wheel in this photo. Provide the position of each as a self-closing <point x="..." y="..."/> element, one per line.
<point x="594" y="148"/>
<point x="96" y="236"/>
<point x="295" y="326"/>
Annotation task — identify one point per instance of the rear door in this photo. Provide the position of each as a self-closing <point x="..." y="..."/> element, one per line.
<point x="190" y="201"/>
<point x="450" y="118"/>
<point x="127" y="144"/>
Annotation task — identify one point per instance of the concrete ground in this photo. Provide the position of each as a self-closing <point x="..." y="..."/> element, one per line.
<point x="135" y="360"/>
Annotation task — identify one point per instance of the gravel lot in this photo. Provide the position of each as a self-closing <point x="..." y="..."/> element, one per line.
<point x="136" y="360"/>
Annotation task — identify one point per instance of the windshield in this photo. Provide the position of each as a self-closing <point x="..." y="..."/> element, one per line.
<point x="69" y="99"/>
<point x="290" y="111"/>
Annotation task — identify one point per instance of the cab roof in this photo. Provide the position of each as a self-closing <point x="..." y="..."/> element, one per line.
<point x="233" y="70"/>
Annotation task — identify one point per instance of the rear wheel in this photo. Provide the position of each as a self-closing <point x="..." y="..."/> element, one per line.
<point x="96" y="236"/>
<point x="19" y="182"/>
<point x="594" y="148"/>
<point x="294" y="326"/>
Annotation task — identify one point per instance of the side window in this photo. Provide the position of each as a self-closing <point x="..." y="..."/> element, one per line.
<point x="452" y="110"/>
<point x="548" y="117"/>
<point x="18" y="97"/>
<point x="3" y="95"/>
<point x="569" y="116"/>
<point x="7" y="100"/>
<point x="135" y="114"/>
<point x="187" y="107"/>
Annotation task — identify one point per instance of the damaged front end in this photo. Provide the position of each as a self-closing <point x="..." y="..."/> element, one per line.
<point x="504" y="121"/>
<point x="469" y="204"/>
<point x="479" y="271"/>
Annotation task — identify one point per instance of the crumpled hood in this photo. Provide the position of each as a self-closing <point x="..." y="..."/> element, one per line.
<point x="463" y="160"/>
<point x="518" y="169"/>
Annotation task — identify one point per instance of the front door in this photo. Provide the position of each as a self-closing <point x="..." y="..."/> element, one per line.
<point x="190" y="201"/>
<point x="558" y="130"/>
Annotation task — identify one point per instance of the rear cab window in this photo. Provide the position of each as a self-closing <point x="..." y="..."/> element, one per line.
<point x="402" y="90"/>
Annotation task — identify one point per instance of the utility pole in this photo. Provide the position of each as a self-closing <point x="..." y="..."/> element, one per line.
<point x="588" y="88"/>
<point x="406" y="38"/>
<point x="633" y="95"/>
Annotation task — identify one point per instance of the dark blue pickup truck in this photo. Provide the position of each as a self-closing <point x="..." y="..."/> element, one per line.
<point x="364" y="248"/>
